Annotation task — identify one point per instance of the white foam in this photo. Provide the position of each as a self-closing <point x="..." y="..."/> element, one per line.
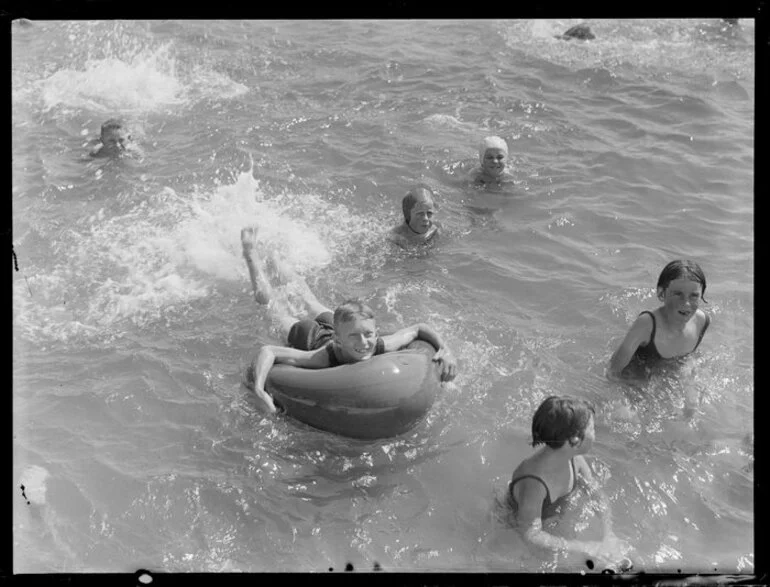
<point x="135" y="82"/>
<point x="144" y="82"/>
<point x="172" y="249"/>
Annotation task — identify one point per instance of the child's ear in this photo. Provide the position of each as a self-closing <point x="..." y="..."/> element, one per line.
<point x="575" y="441"/>
<point x="661" y="293"/>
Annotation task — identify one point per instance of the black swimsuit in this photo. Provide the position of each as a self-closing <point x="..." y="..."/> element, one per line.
<point x="549" y="507"/>
<point x="649" y="352"/>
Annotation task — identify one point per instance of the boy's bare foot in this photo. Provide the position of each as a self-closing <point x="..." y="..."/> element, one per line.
<point x="259" y="282"/>
<point x="249" y="241"/>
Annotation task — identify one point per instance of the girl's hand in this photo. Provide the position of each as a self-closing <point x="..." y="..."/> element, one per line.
<point x="610" y="554"/>
<point x="448" y="364"/>
<point x="266" y="401"/>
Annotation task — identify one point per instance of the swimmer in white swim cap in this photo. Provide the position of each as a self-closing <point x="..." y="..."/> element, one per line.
<point x="493" y="155"/>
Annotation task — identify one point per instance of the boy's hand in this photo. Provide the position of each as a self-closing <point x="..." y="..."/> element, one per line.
<point x="448" y="364"/>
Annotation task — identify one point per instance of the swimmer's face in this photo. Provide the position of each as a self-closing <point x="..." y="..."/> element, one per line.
<point x="681" y="298"/>
<point x="116" y="139"/>
<point x="421" y="216"/>
<point x="356" y="338"/>
<point x="588" y="437"/>
<point x="494" y="161"/>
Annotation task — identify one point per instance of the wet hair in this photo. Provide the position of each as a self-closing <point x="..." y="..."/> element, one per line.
<point x="559" y="419"/>
<point x="682" y="268"/>
<point x="420" y="193"/>
<point x="350" y="309"/>
<point x="112" y="124"/>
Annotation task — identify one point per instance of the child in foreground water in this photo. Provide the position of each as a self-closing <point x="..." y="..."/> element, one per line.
<point x="671" y="332"/>
<point x="347" y="335"/>
<point x="543" y="483"/>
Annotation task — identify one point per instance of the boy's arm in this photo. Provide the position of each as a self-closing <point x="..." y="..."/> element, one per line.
<point x="640" y="331"/>
<point x="403" y="337"/>
<point x="271" y="354"/>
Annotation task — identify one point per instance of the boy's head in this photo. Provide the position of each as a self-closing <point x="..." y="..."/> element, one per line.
<point x="493" y="153"/>
<point x="115" y="135"/>
<point x="681" y="269"/>
<point x="355" y="331"/>
<point x="419" y="208"/>
<point x="561" y="419"/>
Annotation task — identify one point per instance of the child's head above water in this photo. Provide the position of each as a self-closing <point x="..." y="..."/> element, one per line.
<point x="419" y="208"/>
<point x="681" y="269"/>
<point x="355" y="330"/>
<point x="114" y="135"/>
<point x="561" y="419"/>
<point x="493" y="153"/>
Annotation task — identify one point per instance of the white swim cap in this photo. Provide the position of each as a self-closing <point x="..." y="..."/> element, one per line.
<point x="492" y="142"/>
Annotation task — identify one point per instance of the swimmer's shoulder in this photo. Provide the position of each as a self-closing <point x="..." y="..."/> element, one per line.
<point x="702" y="318"/>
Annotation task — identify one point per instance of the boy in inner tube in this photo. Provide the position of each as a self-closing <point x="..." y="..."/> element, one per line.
<point x="347" y="335"/>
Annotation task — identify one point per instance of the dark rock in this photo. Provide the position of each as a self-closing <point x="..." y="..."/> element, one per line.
<point x="579" y="31"/>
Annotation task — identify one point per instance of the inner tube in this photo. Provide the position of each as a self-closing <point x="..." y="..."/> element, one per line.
<point x="381" y="397"/>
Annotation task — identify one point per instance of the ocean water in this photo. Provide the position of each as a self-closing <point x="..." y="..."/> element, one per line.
<point x="136" y="443"/>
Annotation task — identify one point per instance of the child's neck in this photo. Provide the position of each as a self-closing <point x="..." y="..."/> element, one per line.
<point x="558" y="457"/>
<point x="670" y="321"/>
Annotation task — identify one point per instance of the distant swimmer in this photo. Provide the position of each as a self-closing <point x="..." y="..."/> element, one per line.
<point x="114" y="140"/>
<point x="493" y="156"/>
<point x="546" y="482"/>
<point x="579" y="31"/>
<point x="730" y="20"/>
<point x="418" y="226"/>
<point x="347" y="335"/>
<point x="674" y="330"/>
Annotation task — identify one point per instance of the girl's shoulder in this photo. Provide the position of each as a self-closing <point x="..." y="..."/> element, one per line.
<point x="529" y="466"/>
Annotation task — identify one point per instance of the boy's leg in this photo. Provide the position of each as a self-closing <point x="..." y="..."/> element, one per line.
<point x="281" y="311"/>
<point x="259" y="283"/>
<point x="287" y="275"/>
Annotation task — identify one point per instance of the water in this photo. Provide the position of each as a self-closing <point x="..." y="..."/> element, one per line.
<point x="133" y="317"/>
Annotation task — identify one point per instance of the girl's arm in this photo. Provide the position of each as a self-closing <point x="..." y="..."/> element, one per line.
<point x="530" y="524"/>
<point x="403" y="337"/>
<point x="596" y="491"/>
<point x="640" y="332"/>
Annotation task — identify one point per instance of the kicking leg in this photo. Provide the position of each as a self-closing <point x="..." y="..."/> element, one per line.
<point x="259" y="283"/>
<point x="286" y="275"/>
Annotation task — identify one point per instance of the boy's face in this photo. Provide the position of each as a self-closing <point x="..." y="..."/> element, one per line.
<point x="421" y="216"/>
<point x="494" y="161"/>
<point x="357" y="338"/>
<point x="116" y="139"/>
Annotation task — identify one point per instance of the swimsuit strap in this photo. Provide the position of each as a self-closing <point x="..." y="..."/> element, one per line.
<point x="574" y="476"/>
<point x="652" y="336"/>
<point x="333" y="361"/>
<point x="547" y="493"/>
<point x="702" y="332"/>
